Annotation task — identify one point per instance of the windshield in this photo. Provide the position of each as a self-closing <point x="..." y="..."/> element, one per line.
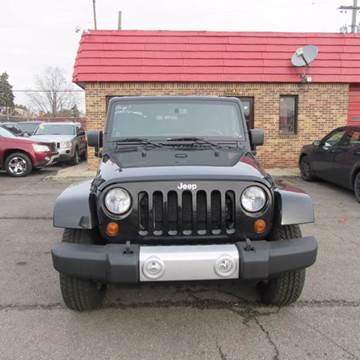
<point x="50" y="129"/>
<point x="6" y="133"/>
<point x="176" y="119"/>
<point x="28" y="127"/>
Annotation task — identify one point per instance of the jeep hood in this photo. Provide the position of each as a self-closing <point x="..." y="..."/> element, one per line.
<point x="179" y="165"/>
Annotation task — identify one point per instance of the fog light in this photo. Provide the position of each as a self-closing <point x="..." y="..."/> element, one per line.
<point x="112" y="229"/>
<point x="153" y="268"/>
<point x="225" y="266"/>
<point x="260" y="226"/>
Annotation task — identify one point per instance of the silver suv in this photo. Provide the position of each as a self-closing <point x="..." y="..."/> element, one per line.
<point x="69" y="138"/>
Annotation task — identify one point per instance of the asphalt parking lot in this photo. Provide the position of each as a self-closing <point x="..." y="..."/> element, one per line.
<point x="174" y="322"/>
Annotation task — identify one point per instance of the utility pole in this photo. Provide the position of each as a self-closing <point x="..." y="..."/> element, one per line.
<point x="94" y="12"/>
<point x="354" y="8"/>
<point x="119" y="20"/>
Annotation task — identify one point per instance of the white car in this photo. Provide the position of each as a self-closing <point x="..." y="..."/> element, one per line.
<point x="69" y="138"/>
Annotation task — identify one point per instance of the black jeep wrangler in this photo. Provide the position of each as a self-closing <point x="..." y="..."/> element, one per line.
<point x="179" y="196"/>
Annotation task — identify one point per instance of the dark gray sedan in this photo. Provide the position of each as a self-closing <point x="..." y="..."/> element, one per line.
<point x="335" y="158"/>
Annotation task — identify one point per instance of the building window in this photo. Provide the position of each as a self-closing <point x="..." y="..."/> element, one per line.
<point x="288" y="114"/>
<point x="248" y="106"/>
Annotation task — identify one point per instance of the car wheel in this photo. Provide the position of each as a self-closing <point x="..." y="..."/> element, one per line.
<point x="285" y="288"/>
<point x="18" y="165"/>
<point x="80" y="294"/>
<point x="357" y="186"/>
<point x="76" y="158"/>
<point x="305" y="169"/>
<point x="84" y="155"/>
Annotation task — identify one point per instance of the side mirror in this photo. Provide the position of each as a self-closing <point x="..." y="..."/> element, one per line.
<point x="317" y="143"/>
<point x="95" y="139"/>
<point x="256" y="137"/>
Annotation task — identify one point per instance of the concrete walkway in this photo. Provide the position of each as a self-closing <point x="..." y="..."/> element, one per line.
<point x="72" y="173"/>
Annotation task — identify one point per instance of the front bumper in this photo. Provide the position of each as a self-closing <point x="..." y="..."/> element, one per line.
<point x="116" y="263"/>
<point x="65" y="154"/>
<point x="53" y="159"/>
<point x="45" y="159"/>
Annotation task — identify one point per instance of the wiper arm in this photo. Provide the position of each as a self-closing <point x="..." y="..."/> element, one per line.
<point x="202" y="141"/>
<point x="137" y="141"/>
<point x="195" y="139"/>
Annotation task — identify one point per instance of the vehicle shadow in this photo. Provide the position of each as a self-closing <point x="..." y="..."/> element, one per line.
<point x="202" y="296"/>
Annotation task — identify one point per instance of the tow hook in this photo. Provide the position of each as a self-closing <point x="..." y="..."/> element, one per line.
<point x="248" y="246"/>
<point x="128" y="248"/>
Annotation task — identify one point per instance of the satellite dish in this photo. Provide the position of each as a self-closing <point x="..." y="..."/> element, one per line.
<point x="304" y="56"/>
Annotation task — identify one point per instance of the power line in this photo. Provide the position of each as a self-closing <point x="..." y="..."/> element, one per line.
<point x="354" y="9"/>
<point x="40" y="91"/>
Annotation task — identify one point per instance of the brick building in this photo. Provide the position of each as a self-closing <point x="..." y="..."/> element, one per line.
<point x="255" y="67"/>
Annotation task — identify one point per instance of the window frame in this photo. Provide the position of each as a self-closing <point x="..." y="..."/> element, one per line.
<point x="328" y="136"/>
<point x="251" y="100"/>
<point x="296" y="114"/>
<point x="350" y="133"/>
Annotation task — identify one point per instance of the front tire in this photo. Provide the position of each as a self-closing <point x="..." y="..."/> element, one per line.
<point x="80" y="294"/>
<point x="76" y="158"/>
<point x="18" y="165"/>
<point x="286" y="288"/>
<point x="305" y="169"/>
<point x="357" y="187"/>
<point x="84" y="155"/>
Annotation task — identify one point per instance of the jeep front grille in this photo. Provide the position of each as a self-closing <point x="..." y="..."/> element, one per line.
<point x="186" y="213"/>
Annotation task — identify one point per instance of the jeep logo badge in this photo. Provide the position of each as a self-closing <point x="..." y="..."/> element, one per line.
<point x="183" y="186"/>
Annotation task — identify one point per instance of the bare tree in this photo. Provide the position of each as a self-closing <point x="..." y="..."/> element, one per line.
<point x="53" y="93"/>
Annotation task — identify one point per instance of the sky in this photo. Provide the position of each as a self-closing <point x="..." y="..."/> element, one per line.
<point x="35" y="34"/>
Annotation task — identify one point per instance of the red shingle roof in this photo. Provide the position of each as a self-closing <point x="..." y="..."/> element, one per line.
<point x="193" y="56"/>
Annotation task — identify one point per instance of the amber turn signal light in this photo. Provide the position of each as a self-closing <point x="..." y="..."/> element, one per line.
<point x="112" y="229"/>
<point x="260" y="226"/>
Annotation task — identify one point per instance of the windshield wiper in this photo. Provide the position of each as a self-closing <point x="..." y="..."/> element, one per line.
<point x="136" y="141"/>
<point x="198" y="141"/>
<point x="195" y="139"/>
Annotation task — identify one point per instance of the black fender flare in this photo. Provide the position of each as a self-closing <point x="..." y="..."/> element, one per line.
<point x="75" y="207"/>
<point x="293" y="205"/>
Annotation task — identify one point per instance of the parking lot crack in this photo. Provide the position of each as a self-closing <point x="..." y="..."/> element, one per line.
<point x="24" y="307"/>
<point x="221" y="353"/>
<point x="327" y="303"/>
<point x="26" y="217"/>
<point x="269" y="339"/>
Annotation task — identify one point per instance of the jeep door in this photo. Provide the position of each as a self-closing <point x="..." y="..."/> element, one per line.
<point x="346" y="156"/>
<point x="323" y="155"/>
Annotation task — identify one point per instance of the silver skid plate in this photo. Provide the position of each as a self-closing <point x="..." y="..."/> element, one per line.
<point x="188" y="262"/>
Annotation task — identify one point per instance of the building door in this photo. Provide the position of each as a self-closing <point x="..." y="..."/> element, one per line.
<point x="248" y="106"/>
<point x="354" y="105"/>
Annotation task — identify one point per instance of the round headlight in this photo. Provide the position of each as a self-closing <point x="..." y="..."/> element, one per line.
<point x="118" y="201"/>
<point x="253" y="199"/>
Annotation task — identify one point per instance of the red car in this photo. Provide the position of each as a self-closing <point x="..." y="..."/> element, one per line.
<point x="18" y="155"/>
